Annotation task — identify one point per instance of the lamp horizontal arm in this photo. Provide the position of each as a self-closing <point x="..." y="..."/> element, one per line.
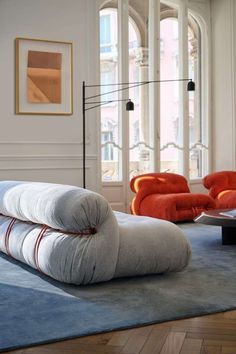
<point x="137" y="82"/>
<point x="130" y="86"/>
<point x="101" y="103"/>
<point x="93" y="102"/>
<point x="113" y="91"/>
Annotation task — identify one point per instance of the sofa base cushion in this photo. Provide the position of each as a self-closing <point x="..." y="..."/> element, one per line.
<point x="149" y="246"/>
<point x="175" y="207"/>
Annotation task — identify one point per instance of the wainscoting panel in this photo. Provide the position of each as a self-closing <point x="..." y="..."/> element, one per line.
<point x="53" y="162"/>
<point x="114" y="193"/>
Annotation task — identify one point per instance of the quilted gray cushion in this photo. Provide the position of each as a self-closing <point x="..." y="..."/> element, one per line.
<point x="63" y="207"/>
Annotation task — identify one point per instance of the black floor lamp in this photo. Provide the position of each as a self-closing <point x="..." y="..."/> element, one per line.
<point x="87" y="104"/>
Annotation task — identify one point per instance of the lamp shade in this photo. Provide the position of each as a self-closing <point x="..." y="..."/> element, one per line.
<point x="191" y="86"/>
<point x="129" y="106"/>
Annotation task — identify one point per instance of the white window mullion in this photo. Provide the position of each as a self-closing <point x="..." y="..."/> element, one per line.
<point x="183" y="73"/>
<point x="154" y="74"/>
<point x="206" y="107"/>
<point x="123" y="75"/>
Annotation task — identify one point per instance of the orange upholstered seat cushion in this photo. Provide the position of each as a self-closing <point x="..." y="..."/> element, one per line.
<point x="175" y="207"/>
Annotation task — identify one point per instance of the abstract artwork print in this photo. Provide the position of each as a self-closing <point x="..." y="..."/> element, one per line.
<point x="44" y="77"/>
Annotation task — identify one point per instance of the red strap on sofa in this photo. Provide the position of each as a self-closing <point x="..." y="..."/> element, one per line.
<point x="7" y="236"/>
<point x="37" y="244"/>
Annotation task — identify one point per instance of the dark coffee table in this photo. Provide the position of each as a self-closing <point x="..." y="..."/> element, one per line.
<point x="227" y="223"/>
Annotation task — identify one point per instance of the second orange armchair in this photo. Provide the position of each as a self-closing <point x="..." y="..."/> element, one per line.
<point x="167" y="196"/>
<point x="222" y="188"/>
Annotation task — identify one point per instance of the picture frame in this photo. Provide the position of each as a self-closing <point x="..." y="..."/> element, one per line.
<point x="44" y="77"/>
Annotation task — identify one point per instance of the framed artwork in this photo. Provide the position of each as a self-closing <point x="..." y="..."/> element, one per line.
<point x="43" y="77"/>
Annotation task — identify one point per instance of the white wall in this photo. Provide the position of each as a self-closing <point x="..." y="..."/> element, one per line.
<point x="223" y="80"/>
<point x="48" y="148"/>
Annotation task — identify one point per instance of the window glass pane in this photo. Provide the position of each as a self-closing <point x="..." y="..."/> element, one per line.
<point x="110" y="127"/>
<point x="105" y="29"/>
<point x="139" y="155"/>
<point x="169" y="124"/>
<point x="195" y="125"/>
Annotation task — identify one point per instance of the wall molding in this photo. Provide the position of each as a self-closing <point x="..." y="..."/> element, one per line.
<point x="41" y="168"/>
<point x="40" y="142"/>
<point x="47" y="163"/>
<point x="32" y="168"/>
<point x="45" y="157"/>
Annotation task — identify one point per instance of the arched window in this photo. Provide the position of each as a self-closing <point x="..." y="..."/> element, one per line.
<point x="171" y="129"/>
<point x="109" y="112"/>
<point x="182" y="145"/>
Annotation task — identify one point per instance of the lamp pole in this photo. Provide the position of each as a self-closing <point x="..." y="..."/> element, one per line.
<point x="84" y="132"/>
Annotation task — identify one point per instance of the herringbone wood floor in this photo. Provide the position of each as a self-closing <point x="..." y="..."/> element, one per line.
<point x="212" y="334"/>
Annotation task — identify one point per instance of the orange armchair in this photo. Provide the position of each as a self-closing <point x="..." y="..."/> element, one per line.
<point x="222" y="188"/>
<point x="167" y="196"/>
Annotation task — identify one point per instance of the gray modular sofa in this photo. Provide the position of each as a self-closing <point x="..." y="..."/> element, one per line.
<point x="72" y="235"/>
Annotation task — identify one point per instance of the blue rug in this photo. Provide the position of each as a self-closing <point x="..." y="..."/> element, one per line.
<point x="35" y="309"/>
